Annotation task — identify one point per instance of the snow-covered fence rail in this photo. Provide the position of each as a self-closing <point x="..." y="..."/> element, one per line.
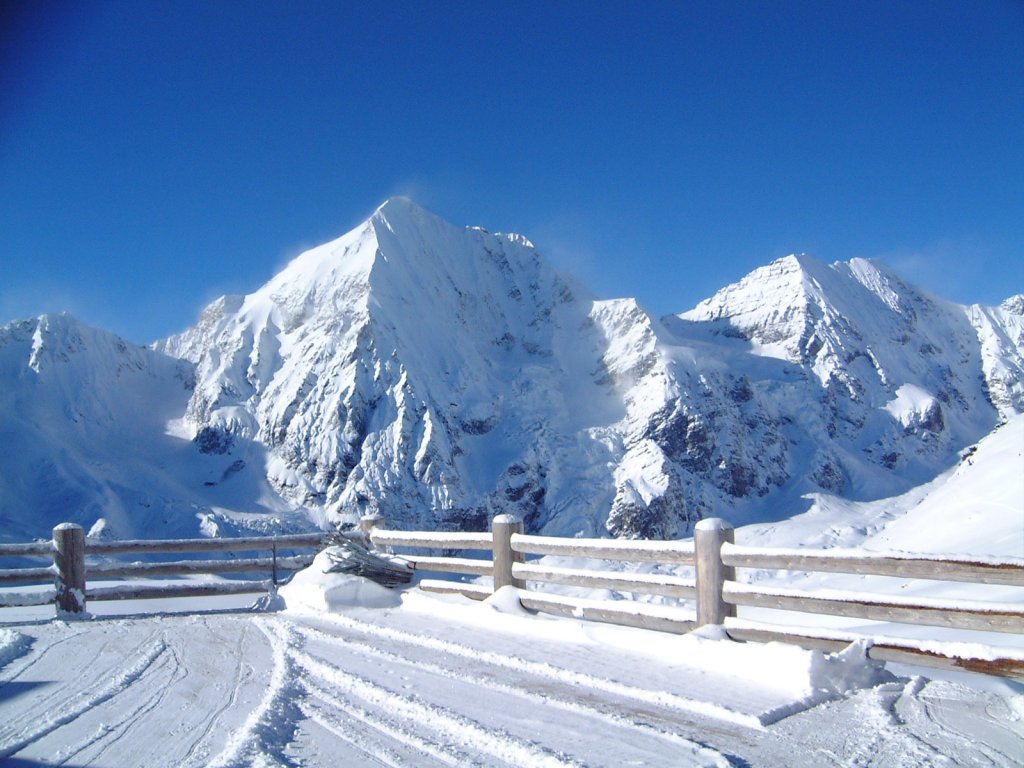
<point x="69" y="549"/>
<point x="26" y="575"/>
<point x="904" y="564"/>
<point x="9" y="576"/>
<point x="959" y="614"/>
<point x="715" y="557"/>
<point x="444" y="540"/>
<point x="510" y="546"/>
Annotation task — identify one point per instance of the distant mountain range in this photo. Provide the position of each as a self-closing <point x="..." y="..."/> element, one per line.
<point x="440" y="375"/>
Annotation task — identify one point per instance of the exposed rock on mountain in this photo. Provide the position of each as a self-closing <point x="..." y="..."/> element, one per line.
<point x="441" y="375"/>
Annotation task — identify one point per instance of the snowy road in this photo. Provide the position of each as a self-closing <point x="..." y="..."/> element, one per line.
<point x="434" y="682"/>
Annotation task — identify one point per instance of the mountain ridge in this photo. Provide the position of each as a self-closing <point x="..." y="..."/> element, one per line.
<point x="441" y="375"/>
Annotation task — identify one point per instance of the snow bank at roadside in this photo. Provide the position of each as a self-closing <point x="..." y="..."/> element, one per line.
<point x="809" y="677"/>
<point x="313" y="589"/>
<point x="763" y="682"/>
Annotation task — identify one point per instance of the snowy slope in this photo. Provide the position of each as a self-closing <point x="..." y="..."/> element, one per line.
<point x="974" y="508"/>
<point x="440" y="375"/>
<point x="410" y="367"/>
<point x="85" y="439"/>
<point x="893" y="379"/>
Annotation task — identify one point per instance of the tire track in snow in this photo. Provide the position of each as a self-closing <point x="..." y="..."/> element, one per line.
<point x="384" y="728"/>
<point x="36" y="657"/>
<point x="196" y="750"/>
<point x="453" y="727"/>
<point x="568" y="701"/>
<point x="88" y="675"/>
<point x="82" y="702"/>
<point x="113" y="733"/>
<point x="260" y="727"/>
<point x="379" y="755"/>
<point x="567" y="677"/>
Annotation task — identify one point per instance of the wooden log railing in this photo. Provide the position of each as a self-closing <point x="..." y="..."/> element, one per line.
<point x="958" y="614"/>
<point x="713" y="554"/>
<point x="69" y="549"/>
<point x="508" y="566"/>
<point x="716" y="557"/>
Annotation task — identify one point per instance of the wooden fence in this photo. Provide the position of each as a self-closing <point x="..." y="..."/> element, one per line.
<point x="713" y="554"/>
<point x="69" y="549"/>
<point x="717" y="593"/>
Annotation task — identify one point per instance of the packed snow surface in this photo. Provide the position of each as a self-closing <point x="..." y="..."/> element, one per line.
<point x="443" y="681"/>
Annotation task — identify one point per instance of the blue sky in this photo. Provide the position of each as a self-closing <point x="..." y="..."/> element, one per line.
<point x="154" y="155"/>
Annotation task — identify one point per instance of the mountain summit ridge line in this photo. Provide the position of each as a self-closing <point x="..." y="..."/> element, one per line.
<point x="441" y="375"/>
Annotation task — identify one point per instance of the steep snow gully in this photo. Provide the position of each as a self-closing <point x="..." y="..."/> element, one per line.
<point x="432" y="682"/>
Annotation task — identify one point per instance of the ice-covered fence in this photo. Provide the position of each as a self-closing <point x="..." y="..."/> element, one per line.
<point x="713" y="554"/>
<point x="69" y="573"/>
<point x="715" y="557"/>
<point x="958" y="614"/>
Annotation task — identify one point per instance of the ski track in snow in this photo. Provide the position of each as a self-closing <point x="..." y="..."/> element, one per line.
<point x="438" y="732"/>
<point x="576" y="700"/>
<point x="196" y="754"/>
<point x="449" y="727"/>
<point x="383" y="688"/>
<point x="14" y="737"/>
<point x="577" y="681"/>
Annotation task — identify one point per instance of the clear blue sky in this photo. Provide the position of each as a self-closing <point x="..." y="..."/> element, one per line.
<point x="154" y="155"/>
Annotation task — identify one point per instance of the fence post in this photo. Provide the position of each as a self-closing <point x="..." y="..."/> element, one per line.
<point x="708" y="537"/>
<point x="368" y="522"/>
<point x="502" y="528"/>
<point x="69" y="557"/>
<point x="273" y="566"/>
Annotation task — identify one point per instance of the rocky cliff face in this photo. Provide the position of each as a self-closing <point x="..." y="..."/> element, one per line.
<point x="430" y="373"/>
<point x="894" y="379"/>
<point x="441" y="375"/>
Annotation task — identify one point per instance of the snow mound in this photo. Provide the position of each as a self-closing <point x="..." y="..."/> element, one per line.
<point x="799" y="678"/>
<point x="12" y="645"/>
<point x="506" y="600"/>
<point x="312" y="589"/>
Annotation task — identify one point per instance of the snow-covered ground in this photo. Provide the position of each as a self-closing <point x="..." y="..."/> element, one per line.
<point x="442" y="681"/>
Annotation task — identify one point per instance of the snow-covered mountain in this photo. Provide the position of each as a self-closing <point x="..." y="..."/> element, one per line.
<point x="440" y="375"/>
<point x="88" y="436"/>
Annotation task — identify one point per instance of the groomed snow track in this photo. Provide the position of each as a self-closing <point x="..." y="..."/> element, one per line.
<point x="405" y="687"/>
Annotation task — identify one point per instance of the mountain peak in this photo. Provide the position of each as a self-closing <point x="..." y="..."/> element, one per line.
<point x="802" y="261"/>
<point x="399" y="205"/>
<point x="402" y="213"/>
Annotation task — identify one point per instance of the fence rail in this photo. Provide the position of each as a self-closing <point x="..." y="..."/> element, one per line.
<point x="32" y="548"/>
<point x="69" y="549"/>
<point x="713" y="554"/>
<point x="905" y="565"/>
<point x="715" y="557"/>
